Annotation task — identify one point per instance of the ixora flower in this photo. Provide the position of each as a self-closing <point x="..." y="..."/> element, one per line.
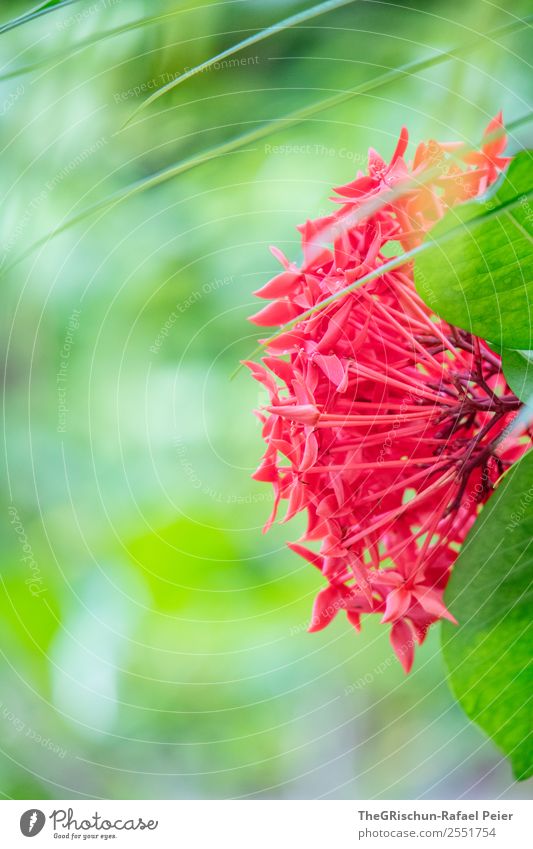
<point x="384" y="421"/>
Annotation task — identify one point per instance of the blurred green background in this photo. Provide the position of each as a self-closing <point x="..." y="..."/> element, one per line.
<point x="152" y="640"/>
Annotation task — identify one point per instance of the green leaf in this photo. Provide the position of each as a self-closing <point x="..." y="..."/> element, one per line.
<point x="368" y="208"/>
<point x="518" y="371"/>
<point x="488" y="654"/>
<point x="482" y="279"/>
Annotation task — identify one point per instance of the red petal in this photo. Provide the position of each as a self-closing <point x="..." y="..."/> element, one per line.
<point x="336" y="327"/>
<point x="286" y="343"/>
<point x="307" y="554"/>
<point x="332" y="367"/>
<point x="281" y="369"/>
<point x="496" y="145"/>
<point x="420" y="155"/>
<point x="327" y="604"/>
<point x="402" y="642"/>
<point x="281" y="284"/>
<point x="376" y="163"/>
<point x="357" y="188"/>
<point x="267" y="472"/>
<point x="301" y="413"/>
<point x="296" y="501"/>
<point x="354" y="619"/>
<point x="398" y="602"/>
<point x="279" y="312"/>
<point x="401" y="147"/>
<point x="271" y="518"/>
<point x="431" y="603"/>
<point x="310" y="452"/>
<point x="261" y="375"/>
<point x="280" y="256"/>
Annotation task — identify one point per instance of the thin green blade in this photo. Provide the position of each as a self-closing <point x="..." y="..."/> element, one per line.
<point x="286" y="23"/>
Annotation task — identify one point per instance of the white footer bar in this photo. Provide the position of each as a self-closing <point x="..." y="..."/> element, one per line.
<point x="268" y="824"/>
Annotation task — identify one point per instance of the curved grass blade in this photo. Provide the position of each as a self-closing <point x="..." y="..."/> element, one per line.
<point x="99" y="37"/>
<point x="293" y="21"/>
<point x="185" y="165"/>
<point x="286" y="23"/>
<point x="292" y="119"/>
<point x="36" y="12"/>
<point x="126" y="193"/>
<point x="390" y="265"/>
<point x="229" y="147"/>
<point x="387" y="78"/>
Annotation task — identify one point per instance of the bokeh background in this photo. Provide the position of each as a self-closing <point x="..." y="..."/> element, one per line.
<point x="152" y="640"/>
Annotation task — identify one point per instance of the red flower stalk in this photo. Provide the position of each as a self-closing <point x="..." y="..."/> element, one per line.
<point x="383" y="420"/>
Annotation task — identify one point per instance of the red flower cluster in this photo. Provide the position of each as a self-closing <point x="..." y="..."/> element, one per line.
<point x="383" y="419"/>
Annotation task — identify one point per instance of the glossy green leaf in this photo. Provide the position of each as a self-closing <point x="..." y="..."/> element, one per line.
<point x="488" y="654"/>
<point x="518" y="370"/>
<point x="368" y="208"/>
<point x="482" y="278"/>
